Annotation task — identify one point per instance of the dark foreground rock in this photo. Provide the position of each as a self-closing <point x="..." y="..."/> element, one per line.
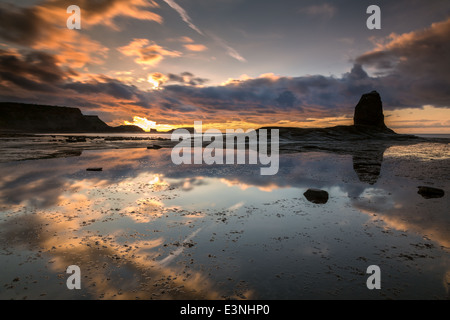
<point x="94" y="169"/>
<point x="316" y="196"/>
<point x="429" y="192"/>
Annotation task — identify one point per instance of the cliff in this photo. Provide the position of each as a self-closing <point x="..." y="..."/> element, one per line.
<point x="31" y="118"/>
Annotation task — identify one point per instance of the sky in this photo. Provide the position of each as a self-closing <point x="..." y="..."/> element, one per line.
<point x="230" y="63"/>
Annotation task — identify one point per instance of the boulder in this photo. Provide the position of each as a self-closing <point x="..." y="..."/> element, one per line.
<point x="369" y="111"/>
<point x="316" y="196"/>
<point x="429" y="192"/>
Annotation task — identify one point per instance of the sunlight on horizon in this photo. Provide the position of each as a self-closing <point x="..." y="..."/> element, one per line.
<point x="426" y="120"/>
<point x="148" y="125"/>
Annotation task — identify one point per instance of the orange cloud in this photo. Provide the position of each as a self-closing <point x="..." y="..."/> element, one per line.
<point x="101" y="12"/>
<point x="146" y="52"/>
<point x="195" y="47"/>
<point x="43" y="26"/>
<point x="186" y="40"/>
<point x="157" y="79"/>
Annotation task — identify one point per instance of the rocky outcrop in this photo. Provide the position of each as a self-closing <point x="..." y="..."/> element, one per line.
<point x="368" y="123"/>
<point x="369" y="111"/>
<point x="30" y="118"/>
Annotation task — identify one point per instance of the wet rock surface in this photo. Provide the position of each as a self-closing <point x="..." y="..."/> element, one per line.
<point x="430" y="192"/>
<point x="316" y="196"/>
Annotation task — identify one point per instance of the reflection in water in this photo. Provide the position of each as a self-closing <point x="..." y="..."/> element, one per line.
<point x="145" y="228"/>
<point x="368" y="165"/>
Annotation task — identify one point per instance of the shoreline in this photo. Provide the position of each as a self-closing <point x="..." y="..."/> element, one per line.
<point x="29" y="146"/>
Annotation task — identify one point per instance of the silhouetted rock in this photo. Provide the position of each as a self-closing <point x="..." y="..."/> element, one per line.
<point x="369" y="111"/>
<point x="94" y="169"/>
<point x="127" y="129"/>
<point x="155" y="146"/>
<point x="30" y="118"/>
<point x="429" y="192"/>
<point x="316" y="196"/>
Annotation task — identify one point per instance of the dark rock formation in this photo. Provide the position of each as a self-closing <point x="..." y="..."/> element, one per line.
<point x="30" y="118"/>
<point x="127" y="129"/>
<point x="154" y="146"/>
<point x="190" y="129"/>
<point x="369" y="111"/>
<point x="95" y="123"/>
<point x="429" y="192"/>
<point x="316" y="196"/>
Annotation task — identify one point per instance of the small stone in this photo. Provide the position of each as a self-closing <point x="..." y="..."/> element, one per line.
<point x="316" y="196"/>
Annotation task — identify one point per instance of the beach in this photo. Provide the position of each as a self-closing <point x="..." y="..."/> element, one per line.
<point x="145" y="228"/>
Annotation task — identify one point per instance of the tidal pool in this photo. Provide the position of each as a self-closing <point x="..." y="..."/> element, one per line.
<point x="144" y="228"/>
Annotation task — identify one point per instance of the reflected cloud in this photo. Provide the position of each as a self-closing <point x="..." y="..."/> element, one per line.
<point x="135" y="228"/>
<point x="64" y="235"/>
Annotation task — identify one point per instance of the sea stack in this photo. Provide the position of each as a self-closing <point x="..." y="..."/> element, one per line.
<point x="369" y="111"/>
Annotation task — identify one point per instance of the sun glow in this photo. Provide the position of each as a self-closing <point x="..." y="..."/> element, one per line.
<point x="153" y="82"/>
<point x="148" y="125"/>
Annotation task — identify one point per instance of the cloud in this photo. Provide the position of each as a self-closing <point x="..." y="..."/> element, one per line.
<point x="43" y="26"/>
<point x="107" y="87"/>
<point x="186" y="40"/>
<point x="183" y="14"/>
<point x="159" y="79"/>
<point x="38" y="27"/>
<point x="325" y="10"/>
<point x="100" y="12"/>
<point x="147" y="52"/>
<point x="35" y="71"/>
<point x="195" y="47"/>
<point x="228" y="49"/>
<point x="186" y="78"/>
<point x="416" y="64"/>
